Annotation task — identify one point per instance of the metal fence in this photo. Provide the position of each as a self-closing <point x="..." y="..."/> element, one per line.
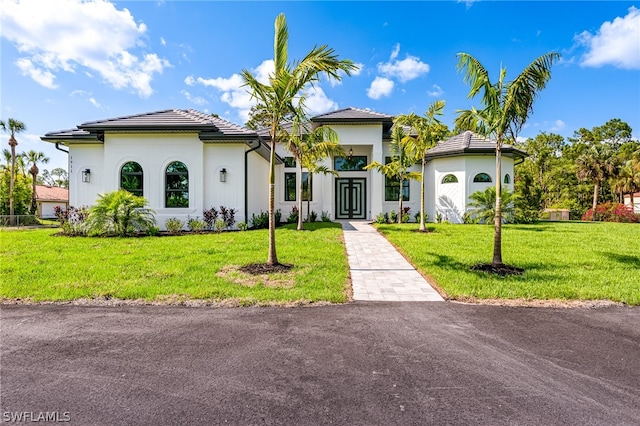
<point x="18" y="220"/>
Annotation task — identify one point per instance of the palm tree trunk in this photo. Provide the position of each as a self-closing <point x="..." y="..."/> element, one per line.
<point x="497" y="236"/>
<point x="12" y="181"/>
<point x="33" y="194"/>
<point x="300" y="197"/>
<point x="422" y="227"/>
<point x="633" y="205"/>
<point x="595" y="201"/>
<point x="400" y="203"/>
<point x="272" y="258"/>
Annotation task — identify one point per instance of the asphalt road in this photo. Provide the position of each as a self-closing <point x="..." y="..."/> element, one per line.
<point x="357" y="364"/>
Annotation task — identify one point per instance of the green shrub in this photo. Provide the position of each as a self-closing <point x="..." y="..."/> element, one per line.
<point x="242" y="226"/>
<point x="393" y="216"/>
<point x="261" y="221"/>
<point x="313" y="216"/>
<point x="325" y="216"/>
<point x="195" y="224"/>
<point x="417" y="217"/>
<point x="119" y="213"/>
<point x="219" y="225"/>
<point x="174" y="225"/>
<point x="381" y="218"/>
<point x="278" y="217"/>
<point x="153" y="231"/>
<point x="293" y="216"/>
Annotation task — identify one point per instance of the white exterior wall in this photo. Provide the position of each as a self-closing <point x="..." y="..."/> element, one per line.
<point x="230" y="193"/>
<point x="82" y="157"/>
<point x="258" y="185"/>
<point x="451" y="200"/>
<point x="47" y="209"/>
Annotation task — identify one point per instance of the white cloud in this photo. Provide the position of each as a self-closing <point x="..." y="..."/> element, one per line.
<point x="194" y="99"/>
<point x="380" y="87"/>
<point x="189" y="80"/>
<point x="557" y="126"/>
<point x="42" y="77"/>
<point x="317" y="102"/>
<point x="616" y="43"/>
<point x="468" y="3"/>
<point x="333" y="82"/>
<point x="404" y="70"/>
<point x="163" y="41"/>
<point x="358" y="70"/>
<point x="95" y="103"/>
<point x="437" y="91"/>
<point x="66" y="35"/>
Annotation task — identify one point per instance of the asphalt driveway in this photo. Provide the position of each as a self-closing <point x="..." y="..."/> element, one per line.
<point x="357" y="364"/>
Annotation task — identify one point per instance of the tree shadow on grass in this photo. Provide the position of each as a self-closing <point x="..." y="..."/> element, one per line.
<point x="625" y="259"/>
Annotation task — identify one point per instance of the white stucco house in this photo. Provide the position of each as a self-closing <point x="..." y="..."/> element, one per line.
<point x="185" y="161"/>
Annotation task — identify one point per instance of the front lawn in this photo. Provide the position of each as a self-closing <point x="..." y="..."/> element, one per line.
<point x="578" y="260"/>
<point x="39" y="266"/>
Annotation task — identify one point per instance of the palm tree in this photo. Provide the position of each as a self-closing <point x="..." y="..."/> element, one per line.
<point x="12" y="126"/>
<point x="506" y="105"/>
<point x="628" y="180"/>
<point x="279" y="95"/>
<point x="120" y="213"/>
<point x="484" y="203"/>
<point x="34" y="158"/>
<point x="428" y="131"/>
<point x="398" y="167"/>
<point x="595" y="165"/>
<point x="321" y="143"/>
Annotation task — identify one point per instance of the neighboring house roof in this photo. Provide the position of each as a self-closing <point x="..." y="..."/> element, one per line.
<point x="51" y="193"/>
<point x="211" y="129"/>
<point x="471" y="143"/>
<point x="355" y="115"/>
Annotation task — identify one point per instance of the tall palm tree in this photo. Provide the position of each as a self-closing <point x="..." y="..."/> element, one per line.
<point x="33" y="158"/>
<point x="12" y="126"/>
<point x="428" y="131"/>
<point x="506" y="105"/>
<point x="595" y="165"/>
<point x="278" y="97"/>
<point x="401" y="161"/>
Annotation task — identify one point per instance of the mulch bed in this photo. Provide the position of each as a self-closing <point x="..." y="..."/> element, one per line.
<point x="502" y="270"/>
<point x="263" y="268"/>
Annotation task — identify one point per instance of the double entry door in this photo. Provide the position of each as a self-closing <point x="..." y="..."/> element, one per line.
<point x="351" y="198"/>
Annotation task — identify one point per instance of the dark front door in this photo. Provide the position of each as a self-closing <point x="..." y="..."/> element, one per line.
<point x="351" y="198"/>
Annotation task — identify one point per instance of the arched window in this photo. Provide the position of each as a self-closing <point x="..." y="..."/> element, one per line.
<point x="177" y="185"/>
<point x="450" y="179"/>
<point x="507" y="178"/>
<point x="482" y="177"/>
<point x="131" y="178"/>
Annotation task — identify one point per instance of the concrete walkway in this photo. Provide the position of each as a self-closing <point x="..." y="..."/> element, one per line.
<point x="378" y="271"/>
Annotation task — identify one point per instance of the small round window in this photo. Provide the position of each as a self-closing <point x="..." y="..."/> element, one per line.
<point x="450" y="179"/>
<point x="482" y="178"/>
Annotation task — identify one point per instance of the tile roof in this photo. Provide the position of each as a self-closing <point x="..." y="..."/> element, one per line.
<point x="169" y="119"/>
<point x="51" y="193"/>
<point x="352" y="114"/>
<point x="469" y="142"/>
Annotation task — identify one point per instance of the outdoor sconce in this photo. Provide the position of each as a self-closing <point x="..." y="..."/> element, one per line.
<point x="86" y="175"/>
<point x="223" y="175"/>
<point x="350" y="153"/>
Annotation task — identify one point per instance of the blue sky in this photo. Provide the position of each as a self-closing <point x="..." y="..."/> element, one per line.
<point x="64" y="62"/>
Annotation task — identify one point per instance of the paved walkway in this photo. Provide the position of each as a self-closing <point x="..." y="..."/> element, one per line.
<point x="378" y="271"/>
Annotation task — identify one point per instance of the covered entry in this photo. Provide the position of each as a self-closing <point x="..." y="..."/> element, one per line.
<point x="351" y="198"/>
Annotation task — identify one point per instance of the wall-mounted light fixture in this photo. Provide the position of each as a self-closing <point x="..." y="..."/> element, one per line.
<point x="86" y="175"/>
<point x="350" y="153"/>
<point x="223" y="175"/>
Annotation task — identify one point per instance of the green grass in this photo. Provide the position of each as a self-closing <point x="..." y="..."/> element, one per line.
<point x="577" y="260"/>
<point x="39" y="266"/>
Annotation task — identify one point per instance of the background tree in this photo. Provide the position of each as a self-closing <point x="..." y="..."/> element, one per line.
<point x="506" y="106"/>
<point x="278" y="97"/>
<point x="33" y="158"/>
<point x="21" y="193"/>
<point x="12" y="126"/>
<point x="627" y="180"/>
<point x="594" y="166"/>
<point x="259" y="118"/>
<point x="401" y="161"/>
<point x="428" y="132"/>
<point x="60" y="177"/>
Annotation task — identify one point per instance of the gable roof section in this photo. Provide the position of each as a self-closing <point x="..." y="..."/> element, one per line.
<point x="352" y="115"/>
<point x="471" y="143"/>
<point x="51" y="193"/>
